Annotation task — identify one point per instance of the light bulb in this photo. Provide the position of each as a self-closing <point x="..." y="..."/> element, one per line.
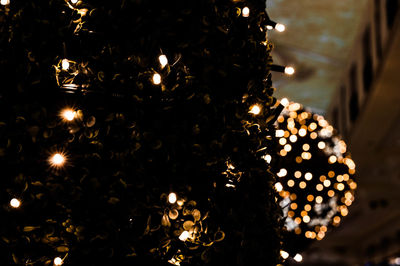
<point x="255" y="109"/>
<point x="278" y="187"/>
<point x="289" y="70"/>
<point x="65" y="64"/>
<point x="245" y="12"/>
<point x="5" y="2"/>
<point x="74" y="1"/>
<point x="57" y="160"/>
<point x="163" y="60"/>
<point x="68" y="114"/>
<point x="172" y="198"/>
<point x="298" y="257"/>
<point x="15" y="203"/>
<point x="156" y="79"/>
<point x="269" y="27"/>
<point x="280" y="27"/>
<point x="284" y="254"/>
<point x="284" y="102"/>
<point x="58" y="261"/>
<point x="184" y="236"/>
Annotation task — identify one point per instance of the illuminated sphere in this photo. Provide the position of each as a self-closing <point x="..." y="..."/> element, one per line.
<point x="15" y="203"/>
<point x="280" y="27"/>
<point x="172" y="198"/>
<point x="163" y="60"/>
<point x="156" y="79"/>
<point x="68" y="114"/>
<point x="74" y="1"/>
<point x="289" y="70"/>
<point x="58" y="261"/>
<point x="245" y="12"/>
<point x="315" y="177"/>
<point x="57" y="159"/>
<point x="255" y="109"/>
<point x="65" y="64"/>
<point x="5" y="2"/>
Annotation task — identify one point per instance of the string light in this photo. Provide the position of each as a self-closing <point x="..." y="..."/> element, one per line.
<point x="5" y="2"/>
<point x="284" y="102"/>
<point x="15" y="203"/>
<point x="280" y="27"/>
<point x="156" y="79"/>
<point x="163" y="60"/>
<point x="245" y="12"/>
<point x="284" y="254"/>
<point x="68" y="114"/>
<point x="65" y="64"/>
<point x="74" y="1"/>
<point x="255" y="109"/>
<point x="172" y="198"/>
<point x="184" y="236"/>
<point x="278" y="187"/>
<point x="289" y="70"/>
<point x="57" y="160"/>
<point x="58" y="261"/>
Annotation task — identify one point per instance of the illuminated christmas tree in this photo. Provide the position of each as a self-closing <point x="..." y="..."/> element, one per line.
<point x="133" y="132"/>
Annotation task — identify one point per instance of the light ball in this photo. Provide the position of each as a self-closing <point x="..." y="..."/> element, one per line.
<point x="245" y="12"/>
<point x="280" y="27"/>
<point x="15" y="203"/>
<point x="156" y="79"/>
<point x="58" y="261"/>
<point x="172" y="198"/>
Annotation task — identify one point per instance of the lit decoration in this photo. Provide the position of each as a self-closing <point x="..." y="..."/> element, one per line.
<point x="245" y="12"/>
<point x="172" y="198"/>
<point x="280" y="27"/>
<point x="289" y="70"/>
<point x="163" y="60"/>
<point x="316" y="176"/>
<point x="74" y="1"/>
<point x="298" y="257"/>
<point x="255" y="109"/>
<point x="156" y="79"/>
<point x="68" y="114"/>
<point x="58" y="261"/>
<point x="65" y="64"/>
<point x="15" y="203"/>
<point x="284" y="254"/>
<point x="57" y="160"/>
<point x="5" y="2"/>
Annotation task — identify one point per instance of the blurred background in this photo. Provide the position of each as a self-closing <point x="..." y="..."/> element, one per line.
<point x="347" y="60"/>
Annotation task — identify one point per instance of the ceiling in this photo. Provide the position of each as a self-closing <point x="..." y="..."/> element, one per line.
<point x="317" y="42"/>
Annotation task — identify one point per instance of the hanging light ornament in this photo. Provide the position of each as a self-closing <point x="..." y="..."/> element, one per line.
<point x="316" y="183"/>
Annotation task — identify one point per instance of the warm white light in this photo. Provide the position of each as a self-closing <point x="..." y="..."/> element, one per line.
<point x="293" y="138"/>
<point x="278" y="187"/>
<point x="267" y="158"/>
<point x="279" y="133"/>
<point x="298" y="257"/>
<point x="321" y="145"/>
<point x="5" y="2"/>
<point x="282" y="172"/>
<point x="245" y="12"/>
<point x="280" y="27"/>
<point x="284" y="254"/>
<point x="156" y="79"/>
<point x="172" y="198"/>
<point x="68" y="114"/>
<point x="289" y="70"/>
<point x="57" y="160"/>
<point x="269" y="27"/>
<point x="308" y="176"/>
<point x="65" y="64"/>
<point x="74" y="1"/>
<point x="255" y="109"/>
<point x="15" y="203"/>
<point x="284" y="102"/>
<point x="58" y="261"/>
<point x="163" y="60"/>
<point x="184" y="236"/>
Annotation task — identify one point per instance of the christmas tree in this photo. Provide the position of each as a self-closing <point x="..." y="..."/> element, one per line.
<point x="132" y="132"/>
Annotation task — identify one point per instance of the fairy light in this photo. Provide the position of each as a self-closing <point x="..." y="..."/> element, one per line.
<point x="57" y="160"/>
<point x="68" y="114"/>
<point x="284" y="102"/>
<point x="280" y="27"/>
<point x="255" y="109"/>
<point x="184" y="236"/>
<point x="15" y="203"/>
<point x="5" y="2"/>
<point x="284" y="254"/>
<point x="65" y="64"/>
<point x="245" y="12"/>
<point x="156" y="79"/>
<point x="289" y="70"/>
<point x="58" y="261"/>
<point x="163" y="60"/>
<point x="74" y="1"/>
<point x="278" y="187"/>
<point x="172" y="198"/>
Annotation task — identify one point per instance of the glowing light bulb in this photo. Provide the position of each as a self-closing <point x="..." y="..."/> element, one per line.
<point x="184" y="236"/>
<point x="65" y="64"/>
<point x="267" y="158"/>
<point x="245" y="12"/>
<point x="15" y="203"/>
<point x="282" y="172"/>
<point x="5" y="2"/>
<point x="284" y="254"/>
<point x="280" y="27"/>
<point x="284" y="102"/>
<point x="255" y="109"/>
<point x="308" y="176"/>
<point x="68" y="114"/>
<point x="172" y="198"/>
<point x="269" y="27"/>
<point x="289" y="70"/>
<point x="278" y="187"/>
<point x="156" y="79"/>
<point x="58" y="261"/>
<point x="57" y="160"/>
<point x="163" y="60"/>
<point x="74" y="1"/>
<point x="298" y="257"/>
